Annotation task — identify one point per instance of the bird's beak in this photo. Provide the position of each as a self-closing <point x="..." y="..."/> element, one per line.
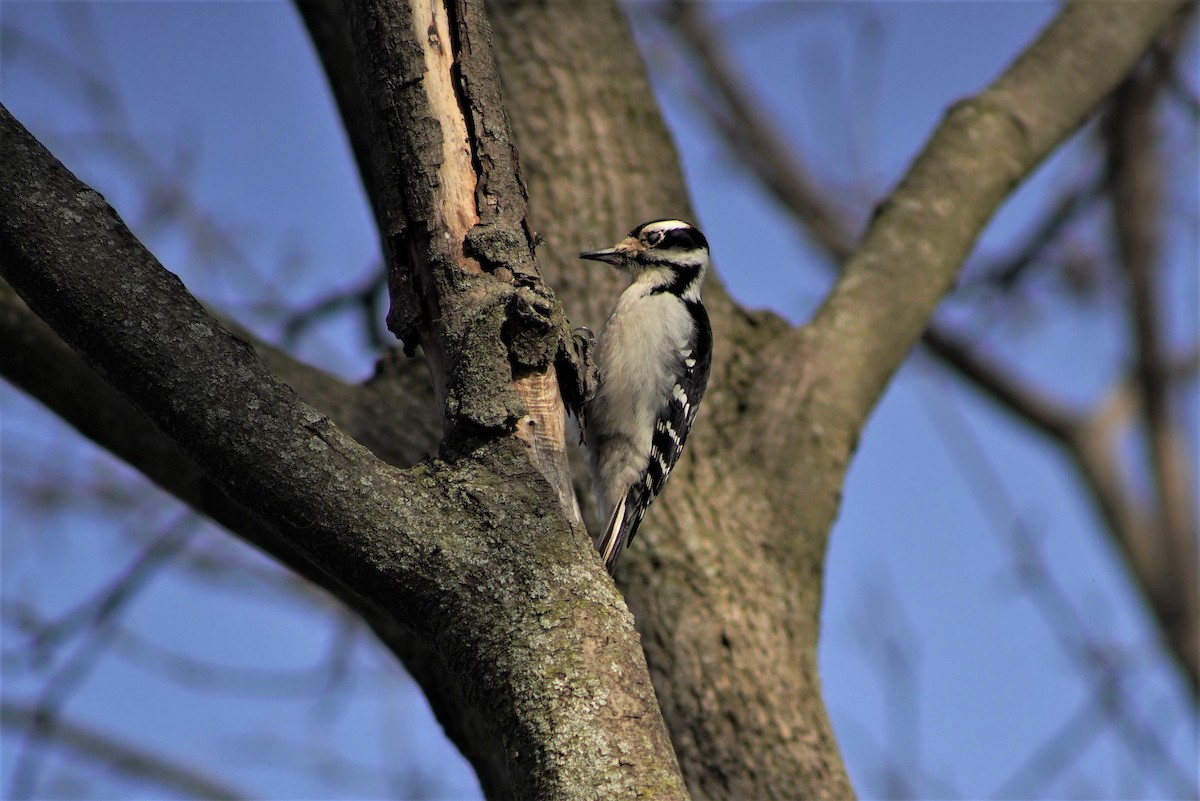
<point x="609" y="255"/>
<point x="615" y="255"/>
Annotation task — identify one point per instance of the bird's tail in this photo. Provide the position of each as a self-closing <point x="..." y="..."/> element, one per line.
<point x="622" y="525"/>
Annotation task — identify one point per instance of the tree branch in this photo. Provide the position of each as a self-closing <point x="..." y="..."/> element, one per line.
<point x="914" y="247"/>
<point x="388" y="414"/>
<point x="137" y="326"/>
<point x="743" y="124"/>
<point x="997" y="382"/>
<point x="1168" y="570"/>
<point x="462" y="277"/>
<point x="35" y="359"/>
<point x="465" y="558"/>
<point x="756" y="142"/>
<point x="108" y="751"/>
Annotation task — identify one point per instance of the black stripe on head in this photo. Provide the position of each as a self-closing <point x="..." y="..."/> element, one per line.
<point x="682" y="235"/>
<point x="683" y="239"/>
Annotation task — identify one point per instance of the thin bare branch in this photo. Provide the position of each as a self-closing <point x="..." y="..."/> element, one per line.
<point x="998" y="383"/>
<point x="1070" y="627"/>
<point x="101" y="618"/>
<point x="744" y="125"/>
<point x="986" y="145"/>
<point x="106" y="750"/>
<point x="103" y="606"/>
<point x="1034" y="776"/>
<point x="1067" y="208"/>
<point x="1171" y="574"/>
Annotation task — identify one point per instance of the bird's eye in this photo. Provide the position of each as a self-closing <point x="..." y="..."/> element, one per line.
<point x="654" y="237"/>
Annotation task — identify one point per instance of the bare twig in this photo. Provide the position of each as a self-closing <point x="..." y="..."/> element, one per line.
<point x="208" y="676"/>
<point x="1000" y="384"/>
<point x="1070" y="627"/>
<point x="106" y="750"/>
<point x="1173" y="585"/>
<point x="754" y="138"/>
<point x="887" y="639"/>
<point x="1005" y="273"/>
<point x="363" y="299"/>
<point x="1077" y="733"/>
<point x="100" y="618"/>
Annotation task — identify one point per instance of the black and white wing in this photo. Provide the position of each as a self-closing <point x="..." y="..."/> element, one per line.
<point x="671" y="428"/>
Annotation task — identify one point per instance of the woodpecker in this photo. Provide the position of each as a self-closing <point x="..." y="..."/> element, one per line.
<point x="652" y="358"/>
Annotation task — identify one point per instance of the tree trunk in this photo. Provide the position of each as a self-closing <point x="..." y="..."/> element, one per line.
<point x="474" y="570"/>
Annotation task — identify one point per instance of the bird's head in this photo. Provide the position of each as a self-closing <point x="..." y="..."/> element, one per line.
<point x="669" y="255"/>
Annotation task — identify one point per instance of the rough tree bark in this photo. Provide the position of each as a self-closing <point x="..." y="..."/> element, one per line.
<point x="474" y="569"/>
<point x="725" y="579"/>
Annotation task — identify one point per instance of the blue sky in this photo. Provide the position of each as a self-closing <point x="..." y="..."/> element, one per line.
<point x="230" y="96"/>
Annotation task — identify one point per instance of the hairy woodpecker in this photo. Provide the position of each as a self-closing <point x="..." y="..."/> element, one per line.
<point x="652" y="358"/>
